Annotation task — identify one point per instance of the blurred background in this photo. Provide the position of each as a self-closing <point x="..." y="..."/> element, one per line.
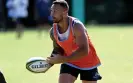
<point x="109" y="24"/>
<point x="88" y="11"/>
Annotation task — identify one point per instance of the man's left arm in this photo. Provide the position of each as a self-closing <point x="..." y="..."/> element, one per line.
<point x="81" y="40"/>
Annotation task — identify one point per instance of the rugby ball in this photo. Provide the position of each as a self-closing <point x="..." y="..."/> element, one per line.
<point x="37" y="65"/>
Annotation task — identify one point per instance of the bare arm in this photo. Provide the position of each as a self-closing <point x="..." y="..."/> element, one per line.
<point x="82" y="42"/>
<point x="56" y="48"/>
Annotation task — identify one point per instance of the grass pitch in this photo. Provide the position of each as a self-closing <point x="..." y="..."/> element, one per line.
<point x="114" y="45"/>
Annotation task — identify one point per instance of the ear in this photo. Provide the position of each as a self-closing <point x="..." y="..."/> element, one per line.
<point x="65" y="13"/>
<point x="66" y="10"/>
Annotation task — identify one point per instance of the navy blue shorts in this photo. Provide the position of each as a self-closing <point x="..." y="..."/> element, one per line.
<point x="88" y="75"/>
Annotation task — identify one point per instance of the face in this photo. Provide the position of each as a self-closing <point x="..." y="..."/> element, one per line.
<point x="57" y="13"/>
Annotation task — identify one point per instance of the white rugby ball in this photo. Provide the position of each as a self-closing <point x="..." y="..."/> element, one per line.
<point x="37" y="65"/>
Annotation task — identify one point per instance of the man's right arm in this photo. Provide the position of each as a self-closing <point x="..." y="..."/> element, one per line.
<point x="56" y="48"/>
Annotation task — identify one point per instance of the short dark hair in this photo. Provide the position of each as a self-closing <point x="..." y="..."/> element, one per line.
<point x="62" y="3"/>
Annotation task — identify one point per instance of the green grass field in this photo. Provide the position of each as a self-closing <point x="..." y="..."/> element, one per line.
<point x="114" y="47"/>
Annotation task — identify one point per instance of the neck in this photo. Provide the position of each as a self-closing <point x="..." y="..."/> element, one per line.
<point x="63" y="25"/>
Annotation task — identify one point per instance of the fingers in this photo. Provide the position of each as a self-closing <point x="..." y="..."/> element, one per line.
<point x="48" y="59"/>
<point x="54" y="55"/>
<point x="53" y="59"/>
